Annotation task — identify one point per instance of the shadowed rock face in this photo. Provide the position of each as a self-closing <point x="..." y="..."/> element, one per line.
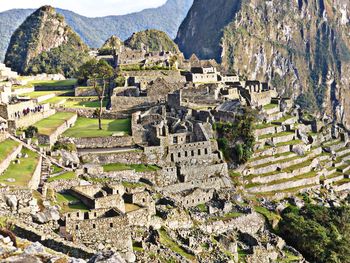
<point x="202" y="30"/>
<point x="301" y="47"/>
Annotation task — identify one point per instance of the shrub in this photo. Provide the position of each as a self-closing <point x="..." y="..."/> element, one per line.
<point x="31" y="131"/>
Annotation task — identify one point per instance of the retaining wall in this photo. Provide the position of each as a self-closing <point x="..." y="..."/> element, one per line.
<point x="5" y="164"/>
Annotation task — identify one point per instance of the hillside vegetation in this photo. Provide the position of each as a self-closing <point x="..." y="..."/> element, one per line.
<point x="44" y="43"/>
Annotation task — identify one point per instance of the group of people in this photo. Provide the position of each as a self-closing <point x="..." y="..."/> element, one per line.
<point x="26" y="111"/>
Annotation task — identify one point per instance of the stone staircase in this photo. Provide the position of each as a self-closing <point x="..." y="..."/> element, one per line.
<point x="45" y="173"/>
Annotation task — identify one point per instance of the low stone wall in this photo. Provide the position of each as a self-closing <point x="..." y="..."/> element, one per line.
<point x="5" y="164"/>
<point x="269" y="159"/>
<point x="53" y="88"/>
<point x="132" y="157"/>
<point x="268" y="130"/>
<point x="30" y="119"/>
<point x="85" y="92"/>
<point x="23" y="91"/>
<point x="284" y="175"/>
<point x="286" y="185"/>
<point x="103" y="142"/>
<point x="210" y="183"/>
<point x="90" y="113"/>
<point x="129" y="175"/>
<point x="62" y="185"/>
<point x="52" y="138"/>
<point x="272" y="151"/>
<point x="45" y="97"/>
<point x="342" y="187"/>
<point x="35" y="181"/>
<point x="202" y="171"/>
<point x="250" y="223"/>
<point x="54" y="243"/>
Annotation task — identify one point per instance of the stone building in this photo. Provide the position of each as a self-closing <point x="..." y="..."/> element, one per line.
<point x="175" y="139"/>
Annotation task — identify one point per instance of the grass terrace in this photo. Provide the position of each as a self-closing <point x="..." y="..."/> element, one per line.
<point x="88" y="128"/>
<point x="6" y="148"/>
<point x="64" y="200"/>
<point x="275" y="135"/>
<point x="114" y="167"/>
<point x="21" y="172"/>
<point x="64" y="176"/>
<point x="49" y="125"/>
<point x="74" y="103"/>
<point x="37" y="94"/>
<point x="54" y="83"/>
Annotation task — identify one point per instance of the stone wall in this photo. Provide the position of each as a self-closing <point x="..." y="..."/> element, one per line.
<point x="54" y="243"/>
<point x="90" y="113"/>
<point x="197" y="172"/>
<point x="52" y="138"/>
<point x="122" y="103"/>
<point x="131" y="157"/>
<point x="251" y="223"/>
<point x="286" y="185"/>
<point x="194" y="198"/>
<point x="113" y="231"/>
<point x="343" y="187"/>
<point x="53" y="88"/>
<point x="140" y="217"/>
<point x="215" y="182"/>
<point x="30" y="119"/>
<point x="85" y="92"/>
<point x="35" y="180"/>
<point x="103" y="142"/>
<point x="5" y="163"/>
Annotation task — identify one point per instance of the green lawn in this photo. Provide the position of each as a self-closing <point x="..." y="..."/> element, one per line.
<point x="49" y="125"/>
<point x="64" y="176"/>
<point x="87" y="128"/>
<point x="84" y="104"/>
<point x="55" y="83"/>
<point x="63" y="201"/>
<point x="37" y="94"/>
<point x="22" y="172"/>
<point x="122" y="167"/>
<point x="270" y="106"/>
<point x="6" y="148"/>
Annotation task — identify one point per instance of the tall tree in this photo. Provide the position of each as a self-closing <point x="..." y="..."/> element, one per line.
<point x="100" y="75"/>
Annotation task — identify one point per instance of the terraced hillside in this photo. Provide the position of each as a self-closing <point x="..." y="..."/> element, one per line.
<point x="292" y="156"/>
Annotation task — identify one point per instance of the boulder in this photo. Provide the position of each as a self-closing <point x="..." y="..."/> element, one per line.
<point x="11" y="201"/>
<point x="34" y="249"/>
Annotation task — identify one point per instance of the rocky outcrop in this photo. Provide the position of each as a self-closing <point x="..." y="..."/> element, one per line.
<point x="45" y="43"/>
<point x="300" y="47"/>
<point x="151" y="40"/>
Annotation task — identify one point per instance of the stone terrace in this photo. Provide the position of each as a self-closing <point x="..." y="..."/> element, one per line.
<point x="289" y="158"/>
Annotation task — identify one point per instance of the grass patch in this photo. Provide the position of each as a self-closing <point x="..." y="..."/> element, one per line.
<point x="37" y="94"/>
<point x="56" y="169"/>
<point x="64" y="200"/>
<point x="54" y="83"/>
<point x="272" y="217"/>
<point x="84" y="104"/>
<point x="22" y="172"/>
<point x="225" y="217"/>
<point x="270" y="106"/>
<point x="172" y="245"/>
<point x="49" y="125"/>
<point x="64" y="176"/>
<point x="88" y="128"/>
<point x="6" y="148"/>
<point x="114" y="167"/>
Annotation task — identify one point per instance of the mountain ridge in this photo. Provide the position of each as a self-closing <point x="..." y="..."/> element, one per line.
<point x="94" y="31"/>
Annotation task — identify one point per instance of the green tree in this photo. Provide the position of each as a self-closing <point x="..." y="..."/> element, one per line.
<point x="31" y="131"/>
<point x="100" y="74"/>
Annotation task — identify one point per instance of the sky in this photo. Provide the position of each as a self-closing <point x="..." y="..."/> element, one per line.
<point x="91" y="8"/>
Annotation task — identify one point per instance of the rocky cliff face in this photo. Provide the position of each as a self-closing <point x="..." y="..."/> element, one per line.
<point x="301" y="47"/>
<point x="44" y="43"/>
